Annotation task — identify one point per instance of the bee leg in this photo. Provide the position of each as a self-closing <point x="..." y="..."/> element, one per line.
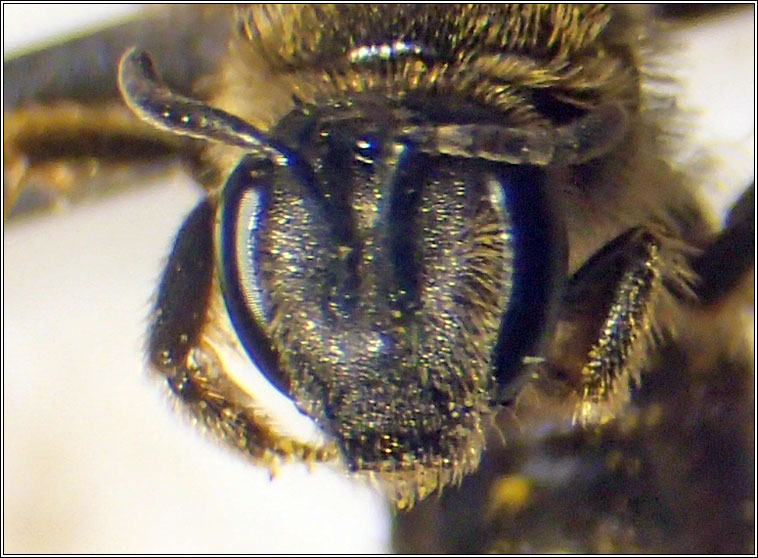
<point x="181" y="347"/>
<point x="605" y="324"/>
<point x="728" y="259"/>
<point x="67" y="135"/>
<point x="63" y="152"/>
<point x="184" y="292"/>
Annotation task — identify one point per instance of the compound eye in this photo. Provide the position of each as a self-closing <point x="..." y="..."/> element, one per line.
<point x="392" y="294"/>
<point x="241" y="211"/>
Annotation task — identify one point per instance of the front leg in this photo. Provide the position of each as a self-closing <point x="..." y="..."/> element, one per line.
<point x="613" y="309"/>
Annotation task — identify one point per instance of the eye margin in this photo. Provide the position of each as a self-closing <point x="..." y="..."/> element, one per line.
<point x="540" y="271"/>
<point x="252" y="174"/>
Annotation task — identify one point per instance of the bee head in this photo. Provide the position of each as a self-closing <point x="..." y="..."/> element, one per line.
<point x="396" y="289"/>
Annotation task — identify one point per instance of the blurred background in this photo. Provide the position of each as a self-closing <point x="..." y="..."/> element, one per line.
<point x="94" y="458"/>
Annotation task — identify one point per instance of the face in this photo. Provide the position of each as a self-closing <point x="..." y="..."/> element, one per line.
<point x="335" y="269"/>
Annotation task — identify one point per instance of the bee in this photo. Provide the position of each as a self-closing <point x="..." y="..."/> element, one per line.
<point x="420" y="223"/>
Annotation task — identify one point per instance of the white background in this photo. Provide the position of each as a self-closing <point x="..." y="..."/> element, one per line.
<point x="95" y="460"/>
